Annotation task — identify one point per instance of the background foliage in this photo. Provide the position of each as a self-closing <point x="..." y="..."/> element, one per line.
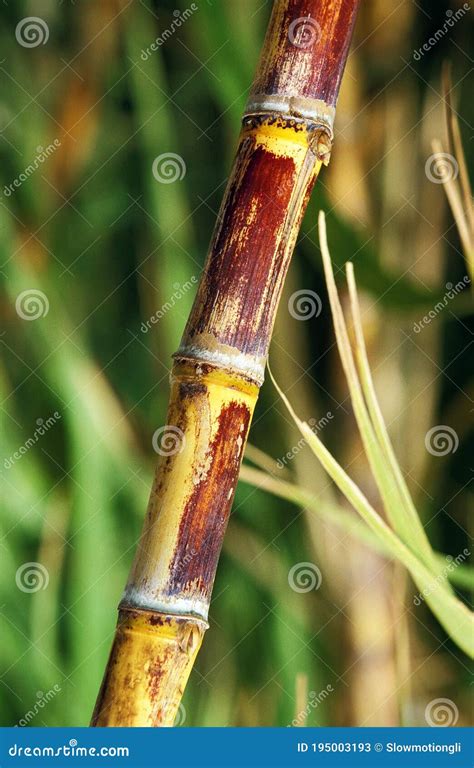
<point x="108" y="246"/>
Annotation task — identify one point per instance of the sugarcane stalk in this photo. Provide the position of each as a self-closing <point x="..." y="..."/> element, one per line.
<point x="286" y="136"/>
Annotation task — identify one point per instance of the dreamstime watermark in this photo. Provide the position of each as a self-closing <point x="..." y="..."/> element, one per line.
<point x="180" y="717"/>
<point x="314" y="700"/>
<point x="451" y="292"/>
<point x="441" y="713"/>
<point x="42" y="700"/>
<point x="304" y="304"/>
<point x="451" y="564"/>
<point x="31" y="32"/>
<point x="452" y="17"/>
<point x="188" y="557"/>
<point x="71" y="749"/>
<point x="32" y="577"/>
<point x="441" y="440"/>
<point x="168" y="168"/>
<point x="32" y="304"/>
<point x="441" y="167"/>
<point x="43" y="425"/>
<point x="180" y="17"/>
<point x="304" y="32"/>
<point x="316" y="425"/>
<point x="179" y="292"/>
<point x="304" y="577"/>
<point x="42" y="154"/>
<point x="168" y="440"/>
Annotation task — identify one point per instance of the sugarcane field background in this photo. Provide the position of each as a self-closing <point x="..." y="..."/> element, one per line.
<point x="119" y="122"/>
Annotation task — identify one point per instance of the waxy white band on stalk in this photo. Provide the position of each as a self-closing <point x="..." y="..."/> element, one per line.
<point x="225" y="357"/>
<point x="313" y="110"/>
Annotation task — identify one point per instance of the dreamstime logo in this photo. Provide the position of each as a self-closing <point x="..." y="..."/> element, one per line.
<point x="179" y="18"/>
<point x="188" y="557"/>
<point x="180" y="716"/>
<point x="441" y="713"/>
<point x="31" y="32"/>
<point x="71" y="749"/>
<point x="314" y="700"/>
<point x="43" y="425"/>
<point x="441" y="440"/>
<point x="304" y="577"/>
<point x="168" y="168"/>
<point x="451" y="564"/>
<point x="304" y="32"/>
<point x="441" y="167"/>
<point x="451" y="292"/>
<point x="304" y="304"/>
<point x="451" y="18"/>
<point x="42" y="154"/>
<point x="42" y="700"/>
<point x="168" y="440"/>
<point x="32" y="304"/>
<point x="180" y="290"/>
<point x="316" y="425"/>
<point x="31" y="577"/>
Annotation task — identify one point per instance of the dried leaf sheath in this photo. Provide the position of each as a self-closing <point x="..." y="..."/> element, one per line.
<point x="286" y="135"/>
